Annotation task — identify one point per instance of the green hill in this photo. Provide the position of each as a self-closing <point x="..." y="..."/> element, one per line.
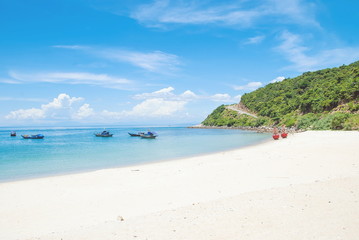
<point x="324" y="99"/>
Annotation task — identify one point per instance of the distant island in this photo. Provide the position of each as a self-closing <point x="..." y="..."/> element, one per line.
<point x="327" y="99"/>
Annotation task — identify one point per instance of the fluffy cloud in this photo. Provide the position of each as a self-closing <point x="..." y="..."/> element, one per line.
<point x="187" y="96"/>
<point x="61" y="108"/>
<point x="249" y="86"/>
<point x="157" y="107"/>
<point x="83" y="112"/>
<point x="165" y="103"/>
<point x="277" y="79"/>
<point x="32" y="113"/>
<point x="162" y="93"/>
<point x="221" y="97"/>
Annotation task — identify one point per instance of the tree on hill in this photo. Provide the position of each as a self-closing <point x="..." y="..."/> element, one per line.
<point x="318" y="94"/>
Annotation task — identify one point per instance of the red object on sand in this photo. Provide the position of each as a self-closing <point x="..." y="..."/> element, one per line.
<point x="284" y="135"/>
<point x="276" y="136"/>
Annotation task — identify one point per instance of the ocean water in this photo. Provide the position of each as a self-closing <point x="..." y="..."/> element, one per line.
<point x="70" y="150"/>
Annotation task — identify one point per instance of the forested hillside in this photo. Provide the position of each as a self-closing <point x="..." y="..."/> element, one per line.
<point x="324" y="99"/>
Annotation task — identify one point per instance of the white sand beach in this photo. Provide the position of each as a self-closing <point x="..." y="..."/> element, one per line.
<point x="302" y="187"/>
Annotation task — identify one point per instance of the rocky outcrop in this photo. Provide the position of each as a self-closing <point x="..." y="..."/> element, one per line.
<point x="261" y="129"/>
<point x="241" y="109"/>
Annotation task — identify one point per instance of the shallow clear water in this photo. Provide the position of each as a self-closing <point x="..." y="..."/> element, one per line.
<point x="68" y="150"/>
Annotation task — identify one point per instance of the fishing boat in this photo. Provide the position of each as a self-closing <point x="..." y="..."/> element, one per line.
<point x="276" y="136"/>
<point x="104" y="134"/>
<point x="37" y="136"/>
<point x="13" y="134"/>
<point x="149" y="135"/>
<point x="136" y="134"/>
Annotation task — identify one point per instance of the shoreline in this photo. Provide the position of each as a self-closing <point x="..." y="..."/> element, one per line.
<point x="214" y="196"/>
<point x="132" y="165"/>
<point x="262" y="129"/>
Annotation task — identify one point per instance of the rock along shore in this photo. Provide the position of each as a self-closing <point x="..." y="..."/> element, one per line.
<point x="261" y="129"/>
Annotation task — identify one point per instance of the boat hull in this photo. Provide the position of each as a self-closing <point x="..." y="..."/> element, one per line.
<point x="134" y="134"/>
<point x="100" y="135"/>
<point x="150" y="136"/>
<point x="32" y="136"/>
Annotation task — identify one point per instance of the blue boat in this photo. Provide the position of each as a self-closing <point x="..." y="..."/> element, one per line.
<point x="104" y="134"/>
<point x="148" y="135"/>
<point x="37" y="136"/>
<point x="136" y="134"/>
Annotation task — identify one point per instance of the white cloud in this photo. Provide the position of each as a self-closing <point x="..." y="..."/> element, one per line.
<point x="164" y="11"/>
<point x="157" y="107"/>
<point x="187" y="96"/>
<point x="149" y="108"/>
<point x="166" y="93"/>
<point x="293" y="11"/>
<point x="21" y="99"/>
<point x="292" y="47"/>
<point x="249" y="86"/>
<point x="238" y="98"/>
<point x="70" y="46"/>
<point x="165" y="103"/>
<point x="219" y="97"/>
<point x="156" y="61"/>
<point x="103" y="80"/>
<point x="238" y="13"/>
<point x="84" y="111"/>
<point x="9" y="81"/>
<point x="32" y="113"/>
<point x="63" y="107"/>
<point x="277" y="79"/>
<point x="162" y="93"/>
<point x="223" y="98"/>
<point x="255" y="40"/>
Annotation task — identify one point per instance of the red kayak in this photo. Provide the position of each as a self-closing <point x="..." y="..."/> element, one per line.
<point x="284" y="135"/>
<point x="276" y="136"/>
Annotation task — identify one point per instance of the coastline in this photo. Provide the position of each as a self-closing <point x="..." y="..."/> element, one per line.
<point x="273" y="190"/>
<point x="261" y="129"/>
<point x="89" y="170"/>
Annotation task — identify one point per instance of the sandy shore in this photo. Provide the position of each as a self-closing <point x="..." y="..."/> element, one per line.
<point x="303" y="187"/>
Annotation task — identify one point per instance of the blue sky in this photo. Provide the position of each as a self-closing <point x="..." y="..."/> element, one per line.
<point x="162" y="62"/>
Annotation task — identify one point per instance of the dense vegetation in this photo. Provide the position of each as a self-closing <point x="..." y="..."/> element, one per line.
<point x="325" y="99"/>
<point x="222" y="116"/>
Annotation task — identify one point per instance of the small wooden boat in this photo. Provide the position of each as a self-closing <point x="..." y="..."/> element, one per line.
<point x="136" y="134"/>
<point x="275" y="136"/>
<point x="148" y="135"/>
<point x="104" y="134"/>
<point x="13" y="134"/>
<point x="284" y="135"/>
<point x="37" y="136"/>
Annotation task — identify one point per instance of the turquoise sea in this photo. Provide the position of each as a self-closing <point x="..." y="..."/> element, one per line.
<point x="69" y="150"/>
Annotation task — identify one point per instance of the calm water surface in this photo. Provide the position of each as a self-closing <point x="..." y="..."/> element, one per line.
<point x="68" y="150"/>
